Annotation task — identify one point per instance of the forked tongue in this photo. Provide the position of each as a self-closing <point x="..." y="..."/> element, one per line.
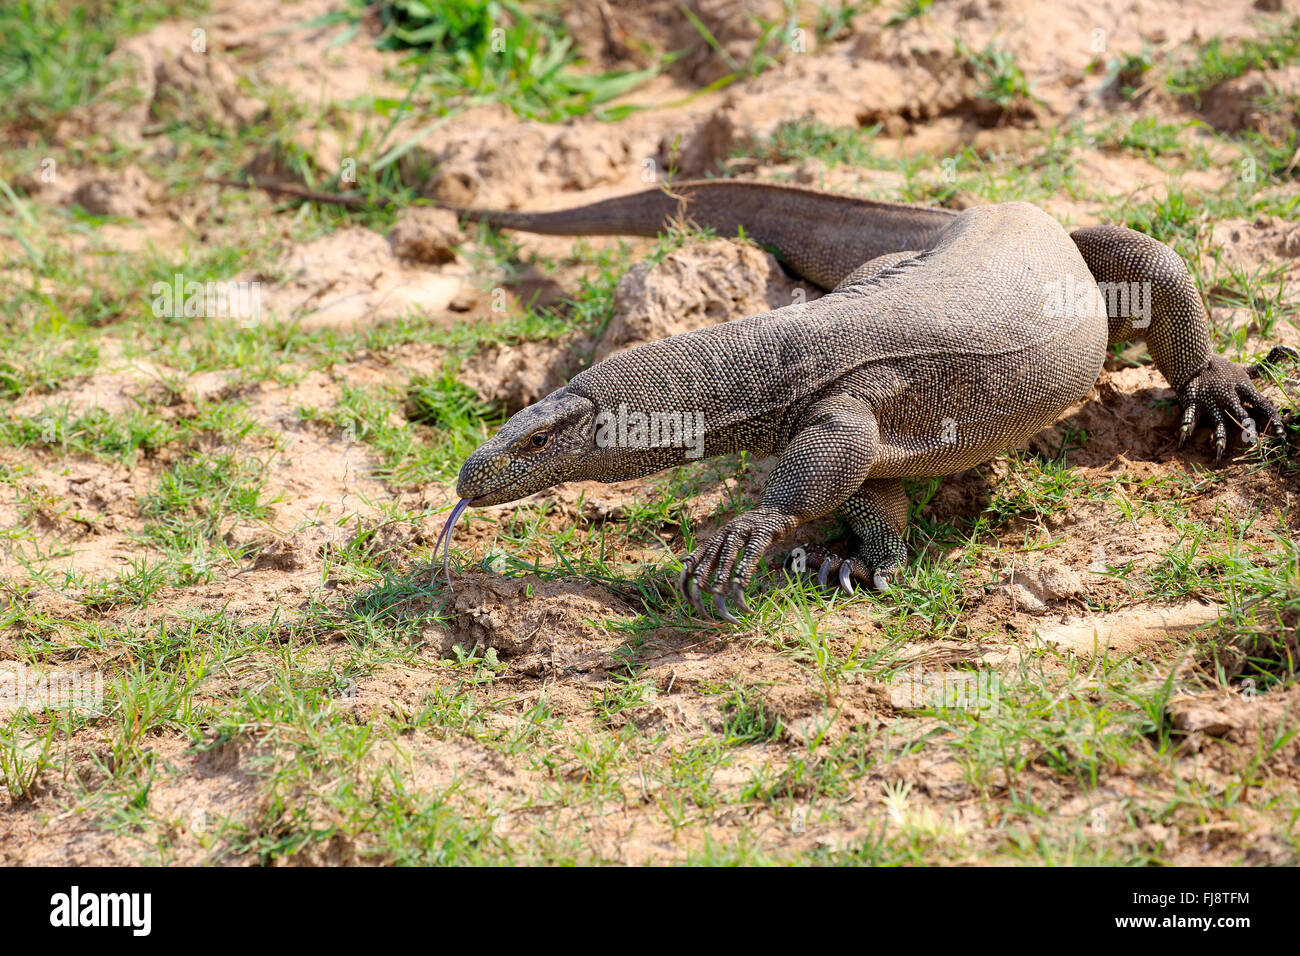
<point x="446" y="533"/>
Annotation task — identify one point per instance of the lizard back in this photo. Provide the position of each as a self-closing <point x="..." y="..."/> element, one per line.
<point x="961" y="351"/>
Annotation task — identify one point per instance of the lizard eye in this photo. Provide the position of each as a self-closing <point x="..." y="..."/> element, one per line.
<point x="540" y="439"/>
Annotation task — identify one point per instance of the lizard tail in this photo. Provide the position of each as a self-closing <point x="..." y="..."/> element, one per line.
<point x="818" y="235"/>
<point x="640" y="214"/>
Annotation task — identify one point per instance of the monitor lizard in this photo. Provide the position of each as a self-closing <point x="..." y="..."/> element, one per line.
<point x="946" y="339"/>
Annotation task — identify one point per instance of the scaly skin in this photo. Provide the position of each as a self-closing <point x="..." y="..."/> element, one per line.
<point x="947" y="339"/>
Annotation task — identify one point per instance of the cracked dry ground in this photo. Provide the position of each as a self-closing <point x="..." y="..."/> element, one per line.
<point x="1090" y="658"/>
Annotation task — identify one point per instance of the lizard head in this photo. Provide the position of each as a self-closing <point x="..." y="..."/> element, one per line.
<point x="540" y="446"/>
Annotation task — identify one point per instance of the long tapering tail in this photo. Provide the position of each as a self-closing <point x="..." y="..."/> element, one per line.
<point x="820" y="236"/>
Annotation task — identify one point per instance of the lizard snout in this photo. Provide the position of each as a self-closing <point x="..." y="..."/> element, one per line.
<point x="483" y="473"/>
<point x="540" y="446"/>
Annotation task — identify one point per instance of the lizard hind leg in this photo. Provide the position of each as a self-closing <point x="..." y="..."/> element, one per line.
<point x="876" y="515"/>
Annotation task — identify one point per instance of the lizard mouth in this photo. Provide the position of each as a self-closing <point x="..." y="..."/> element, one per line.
<point x="494" y="497"/>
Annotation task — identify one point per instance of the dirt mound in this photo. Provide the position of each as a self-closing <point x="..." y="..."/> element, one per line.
<point x="515" y="615"/>
<point x="1032" y="589"/>
<point x="425" y="235"/>
<point x="485" y="157"/>
<point x="1254" y="101"/>
<point x="513" y="376"/>
<point x="696" y="286"/>
<point x="300" y="550"/>
<point x="124" y="195"/>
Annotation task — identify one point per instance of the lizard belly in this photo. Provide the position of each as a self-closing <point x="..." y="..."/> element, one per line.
<point x="945" y="424"/>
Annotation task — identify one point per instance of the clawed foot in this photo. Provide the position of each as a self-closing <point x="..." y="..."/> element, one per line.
<point x="690" y="587"/>
<point x="1222" y="393"/>
<point x="845" y="571"/>
<point x="724" y="566"/>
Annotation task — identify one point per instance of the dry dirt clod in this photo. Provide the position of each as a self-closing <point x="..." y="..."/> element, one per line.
<point x="513" y="615"/>
<point x="515" y="376"/>
<point x="696" y="286"/>
<point x="1033" y="589"/>
<point x="124" y="195"/>
<point x="1192" y="716"/>
<point x="299" y="550"/>
<point x="425" y="234"/>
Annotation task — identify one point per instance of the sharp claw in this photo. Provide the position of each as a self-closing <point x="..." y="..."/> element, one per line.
<point x="738" y="595"/>
<point x="824" y="573"/>
<point x="880" y="581"/>
<point x="846" y="581"/>
<point x="720" y="603"/>
<point x="693" y="595"/>
<point x="681" y="578"/>
<point x="1190" y="415"/>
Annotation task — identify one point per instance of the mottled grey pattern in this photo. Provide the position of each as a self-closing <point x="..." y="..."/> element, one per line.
<point x="961" y="336"/>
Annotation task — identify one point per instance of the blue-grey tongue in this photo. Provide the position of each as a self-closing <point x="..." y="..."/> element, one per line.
<point x="447" y="529"/>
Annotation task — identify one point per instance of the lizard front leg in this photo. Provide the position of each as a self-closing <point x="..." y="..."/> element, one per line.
<point x="877" y="517"/>
<point x="824" y="464"/>
<point x="1150" y="294"/>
